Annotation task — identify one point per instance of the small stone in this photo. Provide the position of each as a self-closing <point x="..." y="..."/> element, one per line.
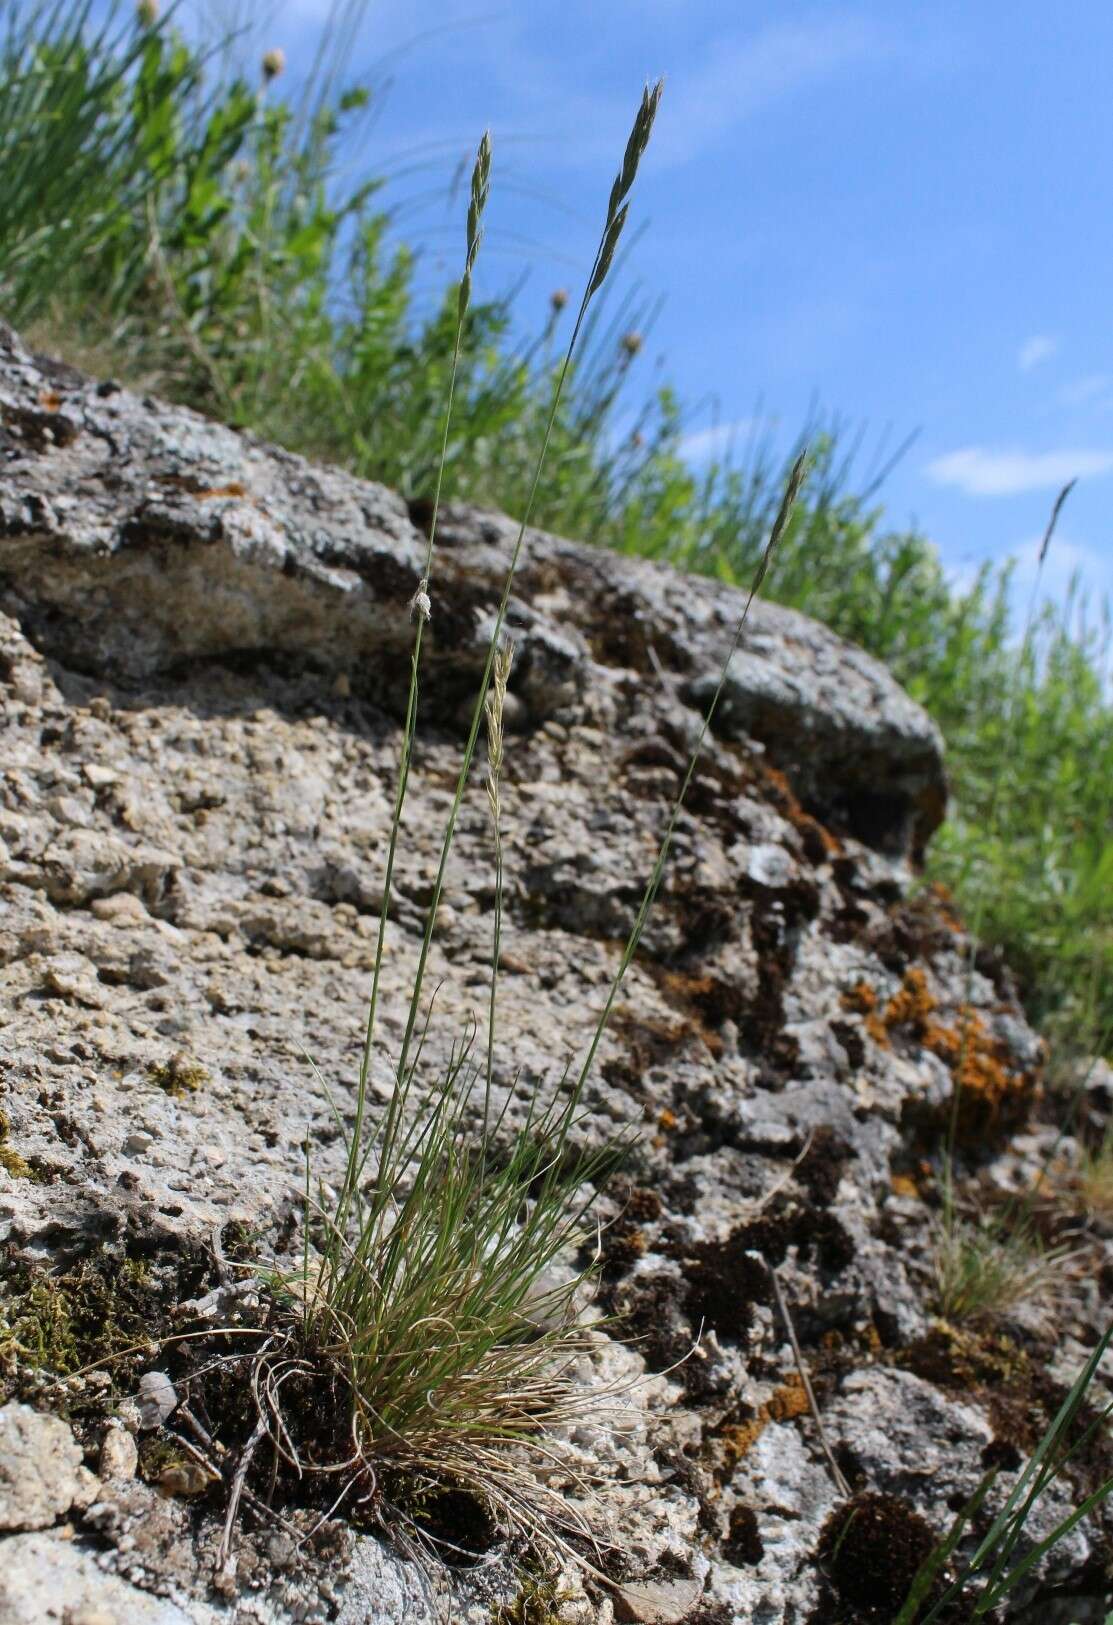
<point x="186" y="1478"/>
<point x="122" y="908"/>
<point x="136" y="1144"/>
<point x="98" y="776"/>
<point x="129" y="1415"/>
<point x="281" y="1550"/>
<point x="119" y="1456"/>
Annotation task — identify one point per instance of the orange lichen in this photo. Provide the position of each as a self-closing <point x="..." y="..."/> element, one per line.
<point x="739" y="1438"/>
<point x="668" y="1120"/>
<point x="861" y="998"/>
<point x="787" y="1401"/>
<point x="903" y="1185"/>
<point x="235" y="488"/>
<point x="818" y="840"/>
<point x="945" y="906"/>
<point x="911" y="1005"/>
<point x="988" y="1088"/>
<point x="783" y="1405"/>
<point x="875" y="1026"/>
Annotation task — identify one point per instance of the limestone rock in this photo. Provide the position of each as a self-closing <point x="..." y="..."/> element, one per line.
<point x="203" y="657"/>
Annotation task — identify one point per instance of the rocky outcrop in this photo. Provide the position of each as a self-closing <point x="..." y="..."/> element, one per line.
<point x="203" y="651"/>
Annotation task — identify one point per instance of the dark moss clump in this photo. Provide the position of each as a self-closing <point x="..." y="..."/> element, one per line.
<point x="459" y="1523"/>
<point x="621" y="1246"/>
<point x="872" y="1547"/>
<point x="650" y="1314"/>
<point x="743" y="1545"/>
<point x="725" y="1281"/>
<point x="964" y="1360"/>
<point x="820" y="1168"/>
<point x="728" y="1278"/>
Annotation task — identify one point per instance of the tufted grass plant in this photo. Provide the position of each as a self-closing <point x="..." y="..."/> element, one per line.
<point x="441" y="1292"/>
<point x="1095" y="1177"/>
<point x="436" y="1293"/>
<point x="986" y="1267"/>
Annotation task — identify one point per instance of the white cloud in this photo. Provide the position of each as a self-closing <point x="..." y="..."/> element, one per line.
<point x="1040" y="347"/>
<point x="984" y="473"/>
<point x="703" y="444"/>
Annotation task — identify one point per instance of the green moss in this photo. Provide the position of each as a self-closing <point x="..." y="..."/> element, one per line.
<point x="11" y="1160"/>
<point x="57" y="1323"/>
<point x="158" y="1456"/>
<point x="965" y="1359"/>
<point x="14" y="1164"/>
<point x="178" y="1076"/>
<point x="536" y="1604"/>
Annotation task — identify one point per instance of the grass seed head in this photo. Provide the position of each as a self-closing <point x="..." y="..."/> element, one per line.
<point x="617" y="207"/>
<point x="480" y="187"/>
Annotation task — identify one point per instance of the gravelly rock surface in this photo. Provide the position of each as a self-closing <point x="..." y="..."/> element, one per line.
<point x="202" y="652"/>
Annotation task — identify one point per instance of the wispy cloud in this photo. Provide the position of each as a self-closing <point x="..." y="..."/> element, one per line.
<point x="742" y="77"/>
<point x="1040" y="347"/>
<point x="1095" y="390"/>
<point x="1067" y="560"/>
<point x="984" y="473"/>
<point x="704" y="444"/>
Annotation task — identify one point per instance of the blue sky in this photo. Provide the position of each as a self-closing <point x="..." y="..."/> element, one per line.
<point x="902" y="209"/>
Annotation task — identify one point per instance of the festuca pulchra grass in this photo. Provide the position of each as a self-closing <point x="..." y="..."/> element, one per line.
<point x="431" y="1337"/>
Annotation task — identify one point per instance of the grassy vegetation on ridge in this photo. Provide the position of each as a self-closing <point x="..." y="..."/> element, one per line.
<point x="190" y="229"/>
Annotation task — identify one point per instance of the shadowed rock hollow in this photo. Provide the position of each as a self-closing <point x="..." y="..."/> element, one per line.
<point x="203" y="654"/>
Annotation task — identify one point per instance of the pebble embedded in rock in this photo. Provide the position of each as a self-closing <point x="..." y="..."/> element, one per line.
<point x="119" y="1455"/>
<point x="657" y="1602"/>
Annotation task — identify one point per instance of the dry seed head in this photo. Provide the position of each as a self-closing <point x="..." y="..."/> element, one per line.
<point x="495" y="707"/>
<point x="784" y="514"/>
<point x="146" y="13"/>
<point x="631" y="344"/>
<point x="558" y="298"/>
<point x="419" y="603"/>
<point x="274" y="62"/>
